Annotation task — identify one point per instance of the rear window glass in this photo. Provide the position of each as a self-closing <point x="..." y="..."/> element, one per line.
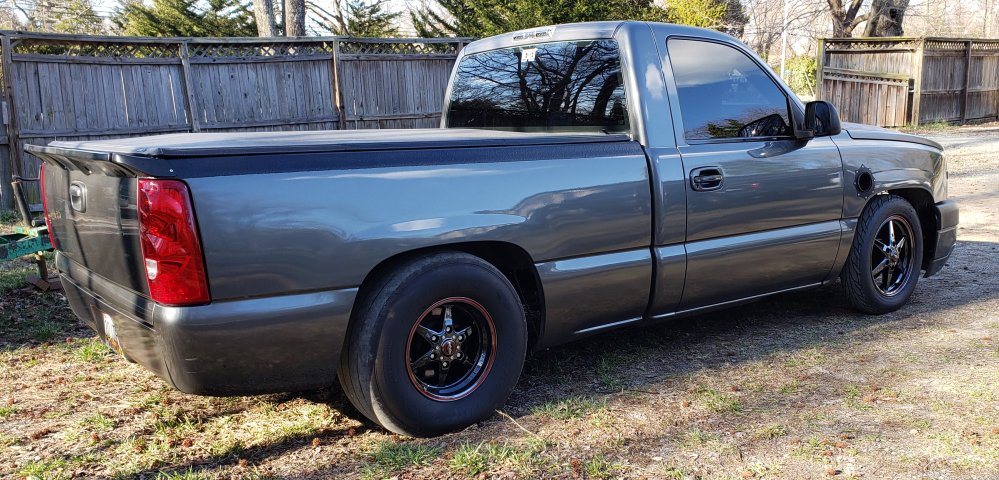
<point x="560" y="86"/>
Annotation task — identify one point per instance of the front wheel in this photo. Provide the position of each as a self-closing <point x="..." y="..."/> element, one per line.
<point x="435" y="346"/>
<point x="883" y="266"/>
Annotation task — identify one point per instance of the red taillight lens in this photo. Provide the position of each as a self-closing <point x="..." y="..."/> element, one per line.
<point x="45" y="205"/>
<point x="175" y="268"/>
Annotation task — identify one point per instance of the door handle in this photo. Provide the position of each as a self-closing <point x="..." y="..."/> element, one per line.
<point x="705" y="179"/>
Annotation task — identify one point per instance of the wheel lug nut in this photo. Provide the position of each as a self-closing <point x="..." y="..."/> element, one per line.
<point x="461" y="338"/>
<point x="445" y="364"/>
<point x="433" y="356"/>
<point x="433" y="338"/>
<point x="458" y="355"/>
<point x="448" y="329"/>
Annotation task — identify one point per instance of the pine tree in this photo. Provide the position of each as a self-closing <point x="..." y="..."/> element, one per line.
<point x="78" y="17"/>
<point x="480" y="18"/>
<point x="185" y="18"/>
<point x="358" y="18"/>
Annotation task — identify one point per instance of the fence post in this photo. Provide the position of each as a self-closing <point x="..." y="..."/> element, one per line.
<point x="820" y="64"/>
<point x="967" y="81"/>
<point x="190" y="103"/>
<point x="917" y="84"/>
<point x="338" y="103"/>
<point x="13" y="161"/>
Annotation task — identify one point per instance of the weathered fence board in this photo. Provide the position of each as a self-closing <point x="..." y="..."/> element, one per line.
<point x="953" y="80"/>
<point x="62" y="87"/>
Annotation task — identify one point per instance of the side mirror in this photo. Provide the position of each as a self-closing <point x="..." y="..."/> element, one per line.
<point x="822" y="119"/>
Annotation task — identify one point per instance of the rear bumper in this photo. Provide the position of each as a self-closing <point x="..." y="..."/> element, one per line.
<point x="240" y="347"/>
<point x="947" y="215"/>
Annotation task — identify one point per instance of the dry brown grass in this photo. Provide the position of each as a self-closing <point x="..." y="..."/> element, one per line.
<point x="796" y="386"/>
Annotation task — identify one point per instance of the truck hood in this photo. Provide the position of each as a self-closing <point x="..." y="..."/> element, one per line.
<point x="869" y="132"/>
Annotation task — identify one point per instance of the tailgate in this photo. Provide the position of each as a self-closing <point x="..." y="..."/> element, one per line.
<point x="91" y="204"/>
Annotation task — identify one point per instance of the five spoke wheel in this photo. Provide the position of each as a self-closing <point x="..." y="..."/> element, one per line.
<point x="451" y="348"/>
<point x="892" y="258"/>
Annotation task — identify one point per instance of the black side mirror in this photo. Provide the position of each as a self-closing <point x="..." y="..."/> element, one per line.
<point x="822" y="119"/>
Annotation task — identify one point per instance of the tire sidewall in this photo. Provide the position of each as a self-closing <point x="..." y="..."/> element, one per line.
<point x="877" y="216"/>
<point x="396" y="401"/>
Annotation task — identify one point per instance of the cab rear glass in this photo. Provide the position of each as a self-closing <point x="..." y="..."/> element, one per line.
<point x="558" y="86"/>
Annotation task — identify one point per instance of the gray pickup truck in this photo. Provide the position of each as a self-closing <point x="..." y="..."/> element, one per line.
<point x="585" y="177"/>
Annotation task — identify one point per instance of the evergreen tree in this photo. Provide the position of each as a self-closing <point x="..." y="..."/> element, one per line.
<point x="481" y="18"/>
<point x="358" y="18"/>
<point x="78" y="17"/>
<point x="186" y="18"/>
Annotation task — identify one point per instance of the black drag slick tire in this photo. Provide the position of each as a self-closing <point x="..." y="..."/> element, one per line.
<point x="879" y="275"/>
<point x="478" y="326"/>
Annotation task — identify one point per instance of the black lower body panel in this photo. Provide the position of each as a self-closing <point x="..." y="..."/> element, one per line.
<point x="240" y="347"/>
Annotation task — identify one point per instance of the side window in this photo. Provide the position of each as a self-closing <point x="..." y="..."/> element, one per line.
<point x="724" y="94"/>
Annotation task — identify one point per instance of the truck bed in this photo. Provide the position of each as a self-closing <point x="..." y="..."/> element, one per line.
<point x="250" y="143"/>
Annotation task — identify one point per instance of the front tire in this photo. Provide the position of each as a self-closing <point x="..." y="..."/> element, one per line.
<point x="435" y="346"/>
<point x="884" y="262"/>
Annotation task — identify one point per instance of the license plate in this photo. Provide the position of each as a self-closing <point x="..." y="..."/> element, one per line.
<point x="110" y="335"/>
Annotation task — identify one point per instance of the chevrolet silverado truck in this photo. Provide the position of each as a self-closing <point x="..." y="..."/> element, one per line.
<point x="584" y="177"/>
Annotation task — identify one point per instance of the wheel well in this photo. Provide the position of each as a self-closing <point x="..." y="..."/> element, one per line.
<point x="922" y="201"/>
<point x="511" y="260"/>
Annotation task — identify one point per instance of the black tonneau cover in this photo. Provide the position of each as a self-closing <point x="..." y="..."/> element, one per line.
<point x="251" y="143"/>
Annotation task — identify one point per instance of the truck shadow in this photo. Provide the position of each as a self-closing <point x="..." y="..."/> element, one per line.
<point x="656" y="359"/>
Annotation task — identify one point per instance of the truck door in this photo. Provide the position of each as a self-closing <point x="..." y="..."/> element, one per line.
<point x="763" y="209"/>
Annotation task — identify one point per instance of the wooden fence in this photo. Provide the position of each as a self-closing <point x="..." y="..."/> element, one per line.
<point x="899" y="81"/>
<point x="77" y="87"/>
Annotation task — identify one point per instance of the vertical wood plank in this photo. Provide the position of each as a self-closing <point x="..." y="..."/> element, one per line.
<point x="338" y="101"/>
<point x="12" y="164"/>
<point x="190" y="102"/>
<point x="967" y="81"/>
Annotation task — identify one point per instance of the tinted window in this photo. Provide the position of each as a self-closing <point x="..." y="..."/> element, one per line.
<point x="551" y="86"/>
<point x="725" y="94"/>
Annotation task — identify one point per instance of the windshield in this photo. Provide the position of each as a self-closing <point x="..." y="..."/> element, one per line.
<point x="560" y="86"/>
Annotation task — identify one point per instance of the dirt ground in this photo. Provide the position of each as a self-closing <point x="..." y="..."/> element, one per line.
<point x="795" y="386"/>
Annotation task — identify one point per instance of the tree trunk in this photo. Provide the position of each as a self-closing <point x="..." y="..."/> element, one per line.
<point x="294" y="18"/>
<point x="844" y="17"/>
<point x="886" y="18"/>
<point x="263" y="11"/>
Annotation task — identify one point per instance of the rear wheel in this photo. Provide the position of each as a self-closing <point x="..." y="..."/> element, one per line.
<point x="883" y="267"/>
<point x="435" y="346"/>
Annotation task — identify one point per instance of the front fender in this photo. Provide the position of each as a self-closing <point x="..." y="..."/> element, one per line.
<point x="894" y="165"/>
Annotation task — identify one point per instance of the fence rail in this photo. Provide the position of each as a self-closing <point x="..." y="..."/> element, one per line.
<point x="946" y="79"/>
<point x="83" y="87"/>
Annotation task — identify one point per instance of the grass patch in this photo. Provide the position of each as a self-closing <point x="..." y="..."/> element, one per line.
<point x="13" y="278"/>
<point x="188" y="474"/>
<point x="600" y="467"/>
<point x="53" y="468"/>
<point x="934" y="126"/>
<point x="98" y="422"/>
<point x="7" y="410"/>
<point x="698" y="437"/>
<point x="608" y="370"/>
<point x="572" y="407"/>
<point x="390" y="457"/>
<point x="472" y="460"/>
<point x="770" y="432"/>
<point x="718" y="402"/>
<point x="9" y="218"/>
<point x="92" y="351"/>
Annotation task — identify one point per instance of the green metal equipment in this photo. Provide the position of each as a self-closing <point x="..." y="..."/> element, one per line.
<point x="31" y="238"/>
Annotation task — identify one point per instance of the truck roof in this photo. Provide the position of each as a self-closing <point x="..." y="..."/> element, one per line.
<point x="250" y="143"/>
<point x="585" y="31"/>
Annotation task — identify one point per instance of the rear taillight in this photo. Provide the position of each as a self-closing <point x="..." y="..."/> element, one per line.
<point x="175" y="268"/>
<point x="45" y="205"/>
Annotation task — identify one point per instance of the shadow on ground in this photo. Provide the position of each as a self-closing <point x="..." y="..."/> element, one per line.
<point x="648" y="359"/>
